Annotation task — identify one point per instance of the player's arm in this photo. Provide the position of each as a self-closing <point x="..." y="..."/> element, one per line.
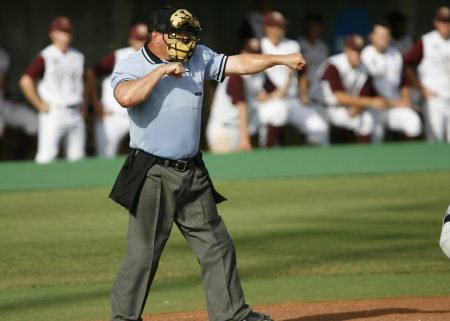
<point x="245" y="64"/>
<point x="91" y="87"/>
<point x="130" y="93"/>
<point x="303" y="87"/>
<point x="104" y="67"/>
<point x="360" y="102"/>
<point x="236" y="91"/>
<point x="411" y="59"/>
<point x="28" y="84"/>
<point x="245" y="143"/>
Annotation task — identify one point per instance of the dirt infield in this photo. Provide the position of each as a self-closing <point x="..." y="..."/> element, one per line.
<point x="403" y="309"/>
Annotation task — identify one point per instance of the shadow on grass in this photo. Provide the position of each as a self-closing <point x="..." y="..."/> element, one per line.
<point x="351" y="315"/>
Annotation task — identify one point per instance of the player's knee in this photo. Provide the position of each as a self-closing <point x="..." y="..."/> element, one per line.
<point x="413" y="127"/>
<point x="318" y="131"/>
<point x="317" y="124"/>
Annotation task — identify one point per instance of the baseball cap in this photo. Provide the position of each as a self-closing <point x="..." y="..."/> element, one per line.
<point x="355" y="42"/>
<point x="61" y="23"/>
<point x="138" y="32"/>
<point x="160" y="21"/>
<point x="275" y="18"/>
<point x="442" y="14"/>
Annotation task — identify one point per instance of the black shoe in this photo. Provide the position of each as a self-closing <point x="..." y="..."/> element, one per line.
<point x="255" y="316"/>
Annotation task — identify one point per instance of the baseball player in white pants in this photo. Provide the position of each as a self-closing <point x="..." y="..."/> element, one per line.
<point x="55" y="87"/>
<point x="285" y="106"/>
<point x="344" y="87"/>
<point x="112" y="123"/>
<point x="385" y="66"/>
<point x="431" y="53"/>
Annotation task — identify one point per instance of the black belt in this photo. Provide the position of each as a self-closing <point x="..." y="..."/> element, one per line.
<point x="180" y="165"/>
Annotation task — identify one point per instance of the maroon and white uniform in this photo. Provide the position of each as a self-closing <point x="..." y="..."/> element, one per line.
<point x="114" y="126"/>
<point x="432" y="55"/>
<point x="222" y="131"/>
<point x="386" y="71"/>
<point x="305" y="118"/>
<point x="60" y="85"/>
<point x="14" y="114"/>
<point x="336" y="74"/>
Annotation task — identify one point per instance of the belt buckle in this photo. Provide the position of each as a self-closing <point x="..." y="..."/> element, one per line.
<point x="181" y="165"/>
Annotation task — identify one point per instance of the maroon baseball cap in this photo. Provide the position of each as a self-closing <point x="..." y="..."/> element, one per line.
<point x="355" y="42"/>
<point x="275" y="18"/>
<point x="442" y="14"/>
<point x="61" y="23"/>
<point x="138" y="31"/>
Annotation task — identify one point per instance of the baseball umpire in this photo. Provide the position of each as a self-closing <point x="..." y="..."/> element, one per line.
<point x="164" y="179"/>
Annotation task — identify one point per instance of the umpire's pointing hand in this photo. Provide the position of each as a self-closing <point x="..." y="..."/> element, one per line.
<point x="294" y="61"/>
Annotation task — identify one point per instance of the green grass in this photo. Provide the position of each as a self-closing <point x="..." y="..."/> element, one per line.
<point x="343" y="237"/>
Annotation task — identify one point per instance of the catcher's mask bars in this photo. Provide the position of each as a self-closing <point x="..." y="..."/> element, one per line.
<point x="181" y="28"/>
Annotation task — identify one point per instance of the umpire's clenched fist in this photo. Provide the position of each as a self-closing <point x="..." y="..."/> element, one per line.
<point x="175" y="69"/>
<point x="294" y="61"/>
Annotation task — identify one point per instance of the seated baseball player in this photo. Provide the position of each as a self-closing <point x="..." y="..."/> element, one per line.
<point x="344" y="86"/>
<point x="288" y="106"/>
<point x="445" y="235"/>
<point x="385" y="65"/>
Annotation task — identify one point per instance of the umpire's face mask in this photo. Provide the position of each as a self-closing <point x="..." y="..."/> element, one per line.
<point x="181" y="36"/>
<point x="180" y="46"/>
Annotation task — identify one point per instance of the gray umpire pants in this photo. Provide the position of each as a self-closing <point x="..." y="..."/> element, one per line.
<point x="185" y="198"/>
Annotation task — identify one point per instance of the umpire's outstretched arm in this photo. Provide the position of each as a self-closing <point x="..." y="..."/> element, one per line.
<point x="244" y="64"/>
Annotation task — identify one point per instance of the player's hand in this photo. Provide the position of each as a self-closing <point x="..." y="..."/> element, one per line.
<point x="174" y="69"/>
<point x="262" y="96"/>
<point x="353" y="111"/>
<point x="43" y="107"/>
<point x="379" y="103"/>
<point x="304" y="99"/>
<point x="295" y="61"/>
<point x="427" y="93"/>
<point x="245" y="145"/>
<point x="404" y="103"/>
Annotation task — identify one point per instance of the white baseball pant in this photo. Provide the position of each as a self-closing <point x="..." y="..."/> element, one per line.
<point x="222" y="138"/>
<point x="361" y="124"/>
<point x="437" y="119"/>
<point x="402" y="119"/>
<point x="61" y="125"/>
<point x="306" y="119"/>
<point x="109" y="132"/>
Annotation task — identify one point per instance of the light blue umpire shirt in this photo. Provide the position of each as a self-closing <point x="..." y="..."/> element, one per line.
<point x="168" y="123"/>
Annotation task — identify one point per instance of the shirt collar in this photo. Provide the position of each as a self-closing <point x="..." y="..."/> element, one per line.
<point x="150" y="56"/>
